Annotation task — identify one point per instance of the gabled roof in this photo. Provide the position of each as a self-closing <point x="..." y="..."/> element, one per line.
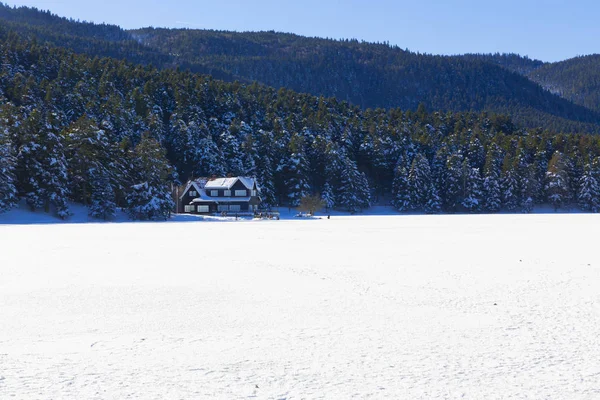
<point x="248" y="182"/>
<point x="198" y="184"/>
<point x="227" y="183"/>
<point x="216" y="184"/>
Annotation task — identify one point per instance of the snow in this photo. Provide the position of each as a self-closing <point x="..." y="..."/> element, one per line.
<point x="380" y="306"/>
<point x="221" y="183"/>
<point x="248" y="182"/>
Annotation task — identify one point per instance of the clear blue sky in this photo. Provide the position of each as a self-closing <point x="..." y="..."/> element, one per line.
<point x="549" y="30"/>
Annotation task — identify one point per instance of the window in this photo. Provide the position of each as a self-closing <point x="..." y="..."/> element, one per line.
<point x="234" y="207"/>
<point x="193" y="193"/>
<point x="227" y="193"/>
<point x="254" y="193"/>
<point x="222" y="207"/>
<point x="240" y="193"/>
<point x="189" y="209"/>
<point x="214" y="193"/>
<point x="203" y="209"/>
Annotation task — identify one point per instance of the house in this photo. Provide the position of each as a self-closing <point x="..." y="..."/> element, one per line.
<point x="221" y="195"/>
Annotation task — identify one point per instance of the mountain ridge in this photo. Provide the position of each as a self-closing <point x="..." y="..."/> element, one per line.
<point x="370" y="75"/>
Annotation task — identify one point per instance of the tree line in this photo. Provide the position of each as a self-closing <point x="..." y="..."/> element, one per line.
<point x="111" y="134"/>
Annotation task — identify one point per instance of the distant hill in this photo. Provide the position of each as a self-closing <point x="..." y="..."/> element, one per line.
<point x="370" y="75"/>
<point x="576" y="79"/>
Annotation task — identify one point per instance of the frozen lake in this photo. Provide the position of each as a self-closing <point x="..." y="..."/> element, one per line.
<point x="396" y="307"/>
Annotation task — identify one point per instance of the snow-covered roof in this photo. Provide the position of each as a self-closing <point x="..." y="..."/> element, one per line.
<point x="248" y="182"/>
<point x="198" y="184"/>
<point x="218" y="183"/>
<point x="221" y="183"/>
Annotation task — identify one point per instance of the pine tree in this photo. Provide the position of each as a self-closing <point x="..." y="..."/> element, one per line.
<point x="473" y="194"/>
<point x="509" y="186"/>
<point x="364" y="191"/>
<point x="589" y="188"/>
<point x="103" y="203"/>
<point x="8" y="191"/>
<point x="558" y="186"/>
<point x="150" y="199"/>
<point x="296" y="170"/>
<point x="400" y="187"/>
<point x="42" y="163"/>
<point x="232" y="150"/>
<point x="421" y="187"/>
<point x="353" y="193"/>
<point x="455" y="182"/>
<point x="530" y="189"/>
<point x="92" y="160"/>
<point x="492" y="201"/>
<point x="328" y="197"/>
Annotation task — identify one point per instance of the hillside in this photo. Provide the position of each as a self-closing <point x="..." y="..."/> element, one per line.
<point x="576" y="79"/>
<point x="369" y="75"/>
<point x="374" y="75"/>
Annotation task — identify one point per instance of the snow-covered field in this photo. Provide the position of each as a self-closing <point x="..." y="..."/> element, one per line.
<point x="382" y="307"/>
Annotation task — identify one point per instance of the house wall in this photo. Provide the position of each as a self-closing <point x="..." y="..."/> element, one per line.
<point x="186" y="198"/>
<point x="213" y="208"/>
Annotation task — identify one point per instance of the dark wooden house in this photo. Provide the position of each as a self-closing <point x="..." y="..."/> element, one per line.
<point x="221" y="195"/>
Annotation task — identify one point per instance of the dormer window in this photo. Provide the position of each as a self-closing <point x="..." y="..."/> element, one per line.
<point x="240" y="193"/>
<point x="228" y="193"/>
<point x="214" y="193"/>
<point x="193" y="193"/>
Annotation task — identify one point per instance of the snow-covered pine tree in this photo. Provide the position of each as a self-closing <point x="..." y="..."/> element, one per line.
<point x="509" y="186"/>
<point x="210" y="159"/>
<point x="454" y="181"/>
<point x="434" y="203"/>
<point x="249" y="156"/>
<point x="296" y="168"/>
<point x="558" y="186"/>
<point x="351" y="196"/>
<point x="91" y="158"/>
<point x="328" y="197"/>
<point x="400" y="186"/>
<point x="473" y="194"/>
<point x="589" y="188"/>
<point x="492" y="201"/>
<point x="232" y="151"/>
<point x="527" y="187"/>
<point x="41" y="159"/>
<point x="540" y="166"/>
<point x="150" y="199"/>
<point x="364" y="191"/>
<point x="103" y="203"/>
<point x="438" y="172"/>
<point x="420" y="182"/>
<point x="476" y="154"/>
<point x="8" y="190"/>
<point x="264" y="170"/>
<point x="530" y="189"/>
